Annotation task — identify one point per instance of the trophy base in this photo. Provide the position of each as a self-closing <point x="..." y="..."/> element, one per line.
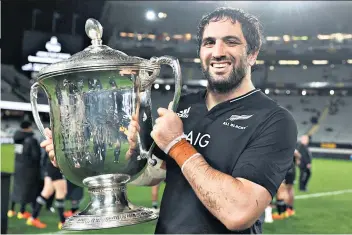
<point x="109" y="206"/>
<point x="93" y="222"/>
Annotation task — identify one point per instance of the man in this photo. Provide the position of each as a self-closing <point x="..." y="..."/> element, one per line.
<point x="75" y="195"/>
<point x="27" y="170"/>
<point x="54" y="183"/>
<point x="306" y="163"/>
<point x="155" y="194"/>
<point x="285" y="194"/>
<point x="226" y="159"/>
<point x="290" y="181"/>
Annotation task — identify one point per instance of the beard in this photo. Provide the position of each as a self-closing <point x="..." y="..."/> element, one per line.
<point x="225" y="85"/>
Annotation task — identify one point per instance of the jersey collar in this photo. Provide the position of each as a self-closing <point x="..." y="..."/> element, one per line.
<point x="229" y="104"/>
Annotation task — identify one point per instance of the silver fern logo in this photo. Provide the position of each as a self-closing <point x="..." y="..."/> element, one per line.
<point x="238" y="117"/>
<point x="229" y="121"/>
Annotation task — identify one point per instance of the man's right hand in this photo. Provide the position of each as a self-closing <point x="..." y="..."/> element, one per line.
<point x="49" y="146"/>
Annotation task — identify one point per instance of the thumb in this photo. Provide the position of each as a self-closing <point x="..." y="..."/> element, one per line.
<point x="48" y="133"/>
<point x="170" y="106"/>
<point x="162" y="111"/>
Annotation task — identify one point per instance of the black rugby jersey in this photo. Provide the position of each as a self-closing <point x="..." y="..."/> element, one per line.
<point x="251" y="137"/>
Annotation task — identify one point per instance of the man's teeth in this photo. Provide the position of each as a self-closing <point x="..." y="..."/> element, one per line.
<point x="219" y="65"/>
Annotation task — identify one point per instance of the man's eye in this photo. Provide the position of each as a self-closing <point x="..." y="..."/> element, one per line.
<point x="232" y="42"/>
<point x="208" y="43"/>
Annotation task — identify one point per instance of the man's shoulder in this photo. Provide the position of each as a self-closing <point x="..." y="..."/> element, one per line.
<point x="191" y="97"/>
<point x="276" y="118"/>
<point x="274" y="109"/>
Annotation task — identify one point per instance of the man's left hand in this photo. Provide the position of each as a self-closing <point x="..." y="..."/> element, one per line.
<point x="168" y="126"/>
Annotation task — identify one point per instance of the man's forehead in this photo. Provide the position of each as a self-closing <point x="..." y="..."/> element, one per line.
<point x="223" y="27"/>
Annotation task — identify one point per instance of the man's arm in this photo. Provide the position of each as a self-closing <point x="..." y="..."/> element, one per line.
<point x="236" y="202"/>
<point x="298" y="157"/>
<point x="239" y="199"/>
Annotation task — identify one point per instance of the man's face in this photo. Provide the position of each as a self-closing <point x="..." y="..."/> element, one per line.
<point x="223" y="55"/>
<point x="305" y="140"/>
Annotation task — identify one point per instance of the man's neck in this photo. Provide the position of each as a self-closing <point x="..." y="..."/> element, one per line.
<point x="212" y="98"/>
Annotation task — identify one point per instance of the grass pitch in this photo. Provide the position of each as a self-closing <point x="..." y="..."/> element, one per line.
<point x="319" y="214"/>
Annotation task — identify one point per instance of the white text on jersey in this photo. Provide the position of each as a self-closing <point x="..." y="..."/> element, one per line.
<point x="202" y="140"/>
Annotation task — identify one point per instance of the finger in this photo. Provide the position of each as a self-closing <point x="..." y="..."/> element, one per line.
<point x="135" y="125"/>
<point x="170" y="106"/>
<point x="132" y="142"/>
<point x="162" y="111"/>
<point x="155" y="126"/>
<point x="54" y="163"/>
<point x="48" y="133"/>
<point x="44" y="143"/>
<point x="152" y="134"/>
<point x="157" y="121"/>
<point x="134" y="117"/>
<point x="132" y="132"/>
<point x="49" y="148"/>
<point x="51" y="155"/>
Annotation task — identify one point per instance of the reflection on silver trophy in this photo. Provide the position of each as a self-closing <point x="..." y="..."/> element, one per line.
<point x="92" y="97"/>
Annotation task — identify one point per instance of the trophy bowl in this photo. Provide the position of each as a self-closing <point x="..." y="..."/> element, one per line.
<point x="92" y="97"/>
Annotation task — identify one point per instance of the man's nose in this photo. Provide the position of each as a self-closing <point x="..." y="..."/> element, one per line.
<point x="219" y="50"/>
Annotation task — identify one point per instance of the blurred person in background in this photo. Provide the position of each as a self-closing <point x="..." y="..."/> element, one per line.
<point x="280" y="204"/>
<point x="74" y="195"/>
<point x="27" y="170"/>
<point x="306" y="162"/>
<point x="54" y="182"/>
<point x="44" y="162"/>
<point x="285" y="194"/>
<point x="155" y="195"/>
<point x="290" y="181"/>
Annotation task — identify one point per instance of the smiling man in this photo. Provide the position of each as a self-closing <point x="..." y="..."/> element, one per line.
<point x="227" y="149"/>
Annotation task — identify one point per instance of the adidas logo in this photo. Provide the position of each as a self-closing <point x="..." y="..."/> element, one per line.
<point x="184" y="113"/>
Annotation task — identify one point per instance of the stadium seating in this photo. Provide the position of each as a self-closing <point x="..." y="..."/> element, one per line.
<point x="20" y="83"/>
<point x="337" y="126"/>
<point x="303" y="109"/>
<point x="297" y="74"/>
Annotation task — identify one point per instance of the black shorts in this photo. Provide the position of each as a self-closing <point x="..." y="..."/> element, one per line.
<point x="290" y="176"/>
<point x="53" y="172"/>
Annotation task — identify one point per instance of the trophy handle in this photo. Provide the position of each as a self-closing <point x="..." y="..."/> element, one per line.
<point x="35" y="112"/>
<point x="175" y="65"/>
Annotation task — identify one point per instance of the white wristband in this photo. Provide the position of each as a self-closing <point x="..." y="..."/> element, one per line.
<point x="175" y="141"/>
<point x="193" y="156"/>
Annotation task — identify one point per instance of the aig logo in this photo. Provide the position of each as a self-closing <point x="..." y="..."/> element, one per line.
<point x="202" y="140"/>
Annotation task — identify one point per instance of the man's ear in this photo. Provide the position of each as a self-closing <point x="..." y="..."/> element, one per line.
<point x="252" y="58"/>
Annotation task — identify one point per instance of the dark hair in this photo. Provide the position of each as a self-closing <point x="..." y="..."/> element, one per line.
<point x="250" y="26"/>
<point x="26" y="124"/>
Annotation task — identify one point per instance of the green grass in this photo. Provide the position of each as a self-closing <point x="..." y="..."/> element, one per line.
<point x="7" y="158"/>
<point x="323" y="215"/>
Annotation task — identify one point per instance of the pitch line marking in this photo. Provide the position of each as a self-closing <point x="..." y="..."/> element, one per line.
<point x="323" y="194"/>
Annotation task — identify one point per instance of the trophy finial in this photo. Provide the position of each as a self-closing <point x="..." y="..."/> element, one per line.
<point x="94" y="31"/>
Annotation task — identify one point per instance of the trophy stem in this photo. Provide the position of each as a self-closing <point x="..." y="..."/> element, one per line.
<point x="108" y="206"/>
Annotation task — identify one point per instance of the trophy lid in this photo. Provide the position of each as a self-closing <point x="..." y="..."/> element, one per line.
<point x="95" y="57"/>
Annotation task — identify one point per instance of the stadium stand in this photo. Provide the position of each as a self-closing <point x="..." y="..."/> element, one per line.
<point x="336" y="126"/>
<point x="325" y="73"/>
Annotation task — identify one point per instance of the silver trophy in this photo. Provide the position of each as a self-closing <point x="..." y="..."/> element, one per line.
<point x="92" y="97"/>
